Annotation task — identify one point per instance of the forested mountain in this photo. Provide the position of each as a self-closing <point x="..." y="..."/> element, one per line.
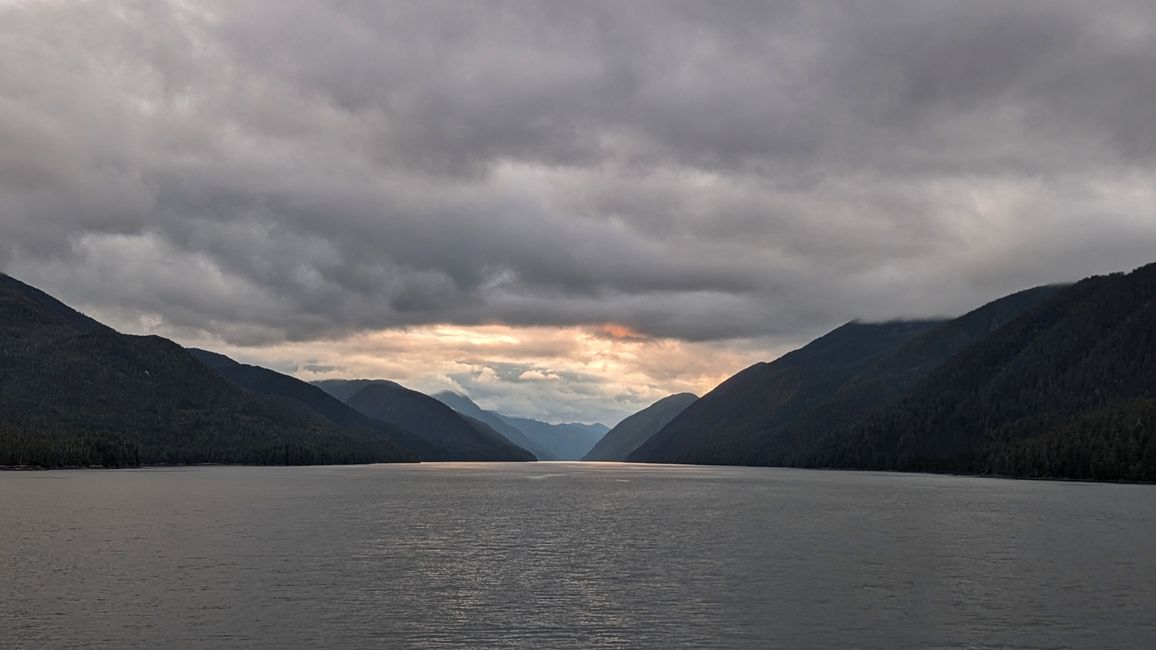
<point x="1051" y="382"/>
<point x="823" y="389"/>
<point x="269" y="382"/>
<point x="497" y="421"/>
<point x="457" y="437"/>
<point x="76" y="393"/>
<point x="893" y="377"/>
<point x="727" y="424"/>
<point x="1066" y="390"/>
<point x="631" y="432"/>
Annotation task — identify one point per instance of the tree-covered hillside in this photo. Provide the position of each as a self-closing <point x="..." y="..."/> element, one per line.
<point x="272" y="383"/>
<point x="1051" y="382"/>
<point x="631" y="432"/>
<point x="457" y="437"/>
<point x="1066" y="390"/>
<point x="730" y="423"/>
<point x="76" y="393"/>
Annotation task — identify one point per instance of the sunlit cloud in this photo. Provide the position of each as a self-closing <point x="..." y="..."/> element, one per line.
<point x="552" y="373"/>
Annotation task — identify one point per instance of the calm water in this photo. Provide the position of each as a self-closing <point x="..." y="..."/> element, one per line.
<point x="571" y="555"/>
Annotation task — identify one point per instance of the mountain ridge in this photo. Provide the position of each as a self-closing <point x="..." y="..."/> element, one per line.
<point x="497" y="421"/>
<point x="636" y="429"/>
<point x="723" y="426"/>
<point x="269" y="382"/>
<point x="75" y="392"/>
<point x="1080" y="366"/>
<point x="1053" y="382"/>
<point x="455" y="437"/>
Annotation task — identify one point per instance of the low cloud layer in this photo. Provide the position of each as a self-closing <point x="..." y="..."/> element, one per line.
<point x="264" y="174"/>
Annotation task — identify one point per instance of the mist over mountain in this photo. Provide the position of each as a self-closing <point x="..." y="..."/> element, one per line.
<point x="664" y="197"/>
<point x="636" y="429"/>
<point x="772" y="420"/>
<point x="1058" y="381"/>
<point x="456" y="437"/>
<point x="1066" y="390"/>
<point x="76" y="393"/>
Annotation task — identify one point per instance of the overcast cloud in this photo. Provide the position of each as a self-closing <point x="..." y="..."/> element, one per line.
<point x="265" y="174"/>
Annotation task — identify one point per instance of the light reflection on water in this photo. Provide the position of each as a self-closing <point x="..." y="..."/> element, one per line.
<point x="570" y="555"/>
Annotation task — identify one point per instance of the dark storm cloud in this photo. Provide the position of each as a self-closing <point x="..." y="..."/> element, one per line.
<point x="272" y="170"/>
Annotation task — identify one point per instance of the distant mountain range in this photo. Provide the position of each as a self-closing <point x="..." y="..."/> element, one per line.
<point x="455" y="436"/>
<point x="565" y="441"/>
<point x="632" y="432"/>
<point x="1056" y="381"/>
<point x="568" y="441"/>
<point x="465" y="406"/>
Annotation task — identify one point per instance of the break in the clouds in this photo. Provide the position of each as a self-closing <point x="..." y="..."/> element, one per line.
<point x="273" y="174"/>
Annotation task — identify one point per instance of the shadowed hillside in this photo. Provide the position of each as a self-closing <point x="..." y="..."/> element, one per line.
<point x="1066" y="390"/>
<point x="630" y="433"/>
<point x="1057" y="381"/>
<point x="268" y="382"/>
<point x="498" y="422"/>
<point x="729" y="423"/>
<point x="455" y="437"/>
<point x="76" y="393"/>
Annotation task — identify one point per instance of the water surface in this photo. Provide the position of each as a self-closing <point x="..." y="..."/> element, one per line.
<point x="571" y="555"/>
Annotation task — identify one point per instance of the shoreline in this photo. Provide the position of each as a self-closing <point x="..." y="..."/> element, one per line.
<point x="1054" y="479"/>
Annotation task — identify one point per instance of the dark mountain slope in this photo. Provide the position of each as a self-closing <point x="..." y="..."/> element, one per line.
<point x="26" y="305"/>
<point x="459" y="437"/>
<point x="76" y="393"/>
<point x="466" y="406"/>
<point x="630" y="433"/>
<point x="893" y="377"/>
<point x="268" y="382"/>
<point x="728" y="424"/>
<point x="1066" y="390"/>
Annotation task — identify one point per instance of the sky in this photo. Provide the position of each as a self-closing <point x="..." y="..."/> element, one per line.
<point x="565" y="210"/>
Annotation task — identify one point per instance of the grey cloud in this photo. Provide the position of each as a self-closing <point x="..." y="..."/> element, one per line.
<point x="289" y="170"/>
